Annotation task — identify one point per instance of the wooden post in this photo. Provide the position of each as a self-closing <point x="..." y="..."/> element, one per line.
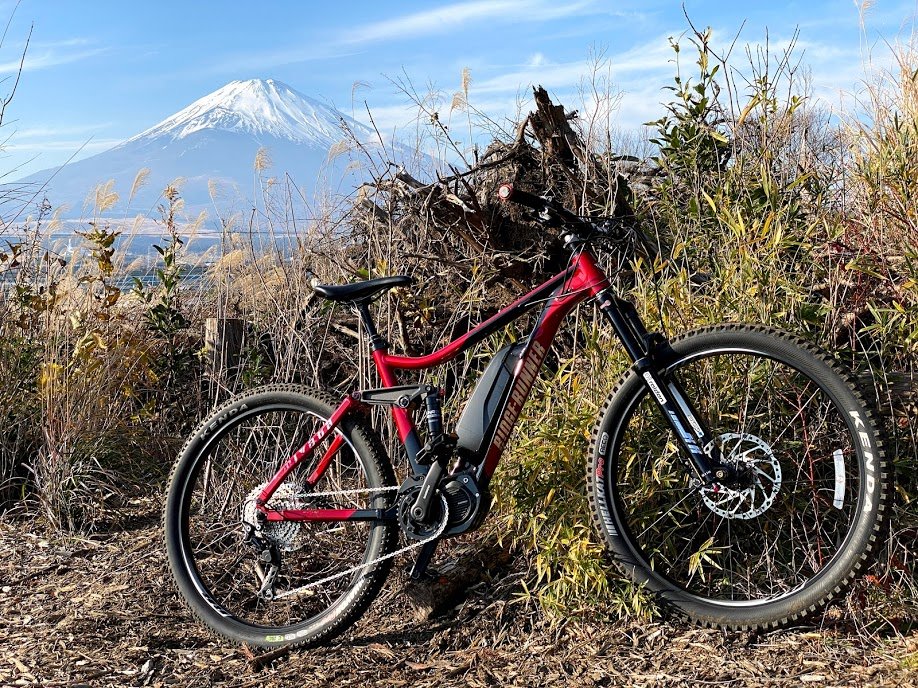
<point x="223" y="347"/>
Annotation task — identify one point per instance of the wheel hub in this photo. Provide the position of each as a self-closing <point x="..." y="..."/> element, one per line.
<point x="757" y="483"/>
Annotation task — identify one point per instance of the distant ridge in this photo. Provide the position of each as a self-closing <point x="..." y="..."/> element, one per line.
<point x="212" y="144"/>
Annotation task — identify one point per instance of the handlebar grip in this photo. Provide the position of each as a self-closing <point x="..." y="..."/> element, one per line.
<point x="506" y="192"/>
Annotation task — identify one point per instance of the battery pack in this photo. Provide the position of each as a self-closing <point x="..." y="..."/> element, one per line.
<point x="479" y="418"/>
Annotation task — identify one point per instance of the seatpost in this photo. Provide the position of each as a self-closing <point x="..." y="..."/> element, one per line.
<point x="376" y="341"/>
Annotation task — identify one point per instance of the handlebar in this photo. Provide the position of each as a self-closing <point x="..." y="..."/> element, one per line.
<point x="507" y="193"/>
<point x="552" y="213"/>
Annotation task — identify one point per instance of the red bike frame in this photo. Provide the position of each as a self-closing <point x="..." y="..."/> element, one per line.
<point x="582" y="279"/>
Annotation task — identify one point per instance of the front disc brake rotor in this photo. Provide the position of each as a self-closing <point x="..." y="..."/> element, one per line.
<point x="750" y="454"/>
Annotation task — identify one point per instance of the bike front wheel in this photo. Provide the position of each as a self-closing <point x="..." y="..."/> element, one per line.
<point x="210" y="515"/>
<point x="792" y="533"/>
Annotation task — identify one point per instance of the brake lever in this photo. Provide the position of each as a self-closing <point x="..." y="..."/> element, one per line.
<point x="613" y="229"/>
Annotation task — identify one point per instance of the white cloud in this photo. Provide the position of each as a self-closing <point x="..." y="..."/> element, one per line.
<point x="651" y="60"/>
<point x="636" y="107"/>
<point x="552" y="76"/>
<point x="64" y="145"/>
<point x="655" y="56"/>
<point x="635" y="79"/>
<point x="52" y="132"/>
<point x="389" y="117"/>
<point x="44" y="55"/>
<point x="449" y="17"/>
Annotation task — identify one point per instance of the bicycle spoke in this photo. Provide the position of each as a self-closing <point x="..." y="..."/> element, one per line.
<point x="239" y="464"/>
<point x="775" y="530"/>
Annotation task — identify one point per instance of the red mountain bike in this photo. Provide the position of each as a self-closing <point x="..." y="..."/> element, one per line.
<point x="734" y="471"/>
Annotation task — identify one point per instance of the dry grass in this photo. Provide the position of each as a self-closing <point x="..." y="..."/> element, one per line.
<point x="754" y="208"/>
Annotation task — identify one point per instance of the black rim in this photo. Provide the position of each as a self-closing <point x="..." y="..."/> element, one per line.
<point x="227" y="470"/>
<point x="773" y="535"/>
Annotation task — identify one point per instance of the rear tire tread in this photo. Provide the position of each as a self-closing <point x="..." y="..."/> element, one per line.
<point x="377" y="455"/>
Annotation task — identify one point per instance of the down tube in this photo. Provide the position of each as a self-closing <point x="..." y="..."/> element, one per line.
<point x="527" y="370"/>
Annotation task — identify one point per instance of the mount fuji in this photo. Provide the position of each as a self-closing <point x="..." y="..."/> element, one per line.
<point x="212" y="144"/>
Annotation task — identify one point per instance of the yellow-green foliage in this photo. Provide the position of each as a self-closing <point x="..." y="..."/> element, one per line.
<point x="540" y="488"/>
<point x="763" y="210"/>
<point x="753" y="228"/>
<point x="85" y="377"/>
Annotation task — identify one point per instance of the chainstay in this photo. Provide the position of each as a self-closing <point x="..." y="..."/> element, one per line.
<point x="345" y="492"/>
<point x="354" y="569"/>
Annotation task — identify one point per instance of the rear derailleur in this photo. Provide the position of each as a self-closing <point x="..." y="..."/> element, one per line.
<point x="268" y="562"/>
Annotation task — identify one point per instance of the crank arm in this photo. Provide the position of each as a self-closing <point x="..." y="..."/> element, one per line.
<point x="421" y="507"/>
<point x="419" y="570"/>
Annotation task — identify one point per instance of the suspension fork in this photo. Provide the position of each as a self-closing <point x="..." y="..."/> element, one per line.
<point x="644" y="349"/>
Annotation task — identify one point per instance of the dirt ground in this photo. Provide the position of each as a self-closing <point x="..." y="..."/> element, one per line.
<point x="101" y="611"/>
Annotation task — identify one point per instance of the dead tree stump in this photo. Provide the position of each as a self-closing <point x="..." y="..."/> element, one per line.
<point x="223" y="339"/>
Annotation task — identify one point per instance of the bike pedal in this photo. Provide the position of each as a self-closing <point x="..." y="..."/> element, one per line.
<point x="426" y="577"/>
<point x="430" y="577"/>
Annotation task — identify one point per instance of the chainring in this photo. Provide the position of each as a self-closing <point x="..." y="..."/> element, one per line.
<point x="413" y="529"/>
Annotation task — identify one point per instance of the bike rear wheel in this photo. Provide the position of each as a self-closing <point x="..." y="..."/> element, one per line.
<point x="791" y="534"/>
<point x="223" y="467"/>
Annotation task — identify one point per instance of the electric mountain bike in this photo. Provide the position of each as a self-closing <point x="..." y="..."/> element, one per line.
<point x="734" y="471"/>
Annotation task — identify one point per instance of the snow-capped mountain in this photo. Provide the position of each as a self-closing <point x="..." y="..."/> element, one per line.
<point x="261" y="109"/>
<point x="212" y="145"/>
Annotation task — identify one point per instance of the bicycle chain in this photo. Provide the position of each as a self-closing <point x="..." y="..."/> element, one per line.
<point x="359" y="567"/>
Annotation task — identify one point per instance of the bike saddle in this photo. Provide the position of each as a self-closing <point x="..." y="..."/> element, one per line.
<point x="360" y="291"/>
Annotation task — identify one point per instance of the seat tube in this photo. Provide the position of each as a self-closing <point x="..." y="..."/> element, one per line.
<point x="403" y="424"/>
<point x="379" y="346"/>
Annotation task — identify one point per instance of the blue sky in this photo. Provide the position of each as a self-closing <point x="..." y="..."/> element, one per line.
<point x="98" y="72"/>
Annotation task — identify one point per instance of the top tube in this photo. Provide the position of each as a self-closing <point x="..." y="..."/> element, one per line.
<point x="583" y="274"/>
